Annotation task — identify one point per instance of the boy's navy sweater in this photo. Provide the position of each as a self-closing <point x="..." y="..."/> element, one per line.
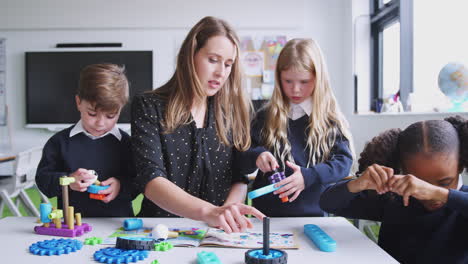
<point x="316" y="178"/>
<point x="410" y="234"/>
<point x="109" y="157"/>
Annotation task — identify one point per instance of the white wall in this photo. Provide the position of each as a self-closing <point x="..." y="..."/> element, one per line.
<point x="31" y="25"/>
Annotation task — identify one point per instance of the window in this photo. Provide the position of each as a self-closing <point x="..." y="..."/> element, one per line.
<point x="391" y="51"/>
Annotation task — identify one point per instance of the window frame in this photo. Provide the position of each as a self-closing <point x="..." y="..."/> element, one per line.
<point x="382" y="16"/>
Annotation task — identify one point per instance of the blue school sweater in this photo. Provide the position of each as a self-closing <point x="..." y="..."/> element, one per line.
<point x="109" y="157"/>
<point x="316" y="177"/>
<point x="410" y="234"/>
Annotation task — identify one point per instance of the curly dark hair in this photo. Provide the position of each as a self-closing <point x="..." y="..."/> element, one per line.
<point x="393" y="146"/>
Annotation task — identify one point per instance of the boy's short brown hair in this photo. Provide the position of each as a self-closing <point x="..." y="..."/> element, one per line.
<point x="104" y="85"/>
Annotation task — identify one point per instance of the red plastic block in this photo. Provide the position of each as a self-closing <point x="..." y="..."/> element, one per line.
<point x="97" y="196"/>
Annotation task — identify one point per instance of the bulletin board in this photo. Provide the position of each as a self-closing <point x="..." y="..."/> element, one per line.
<point x="259" y="55"/>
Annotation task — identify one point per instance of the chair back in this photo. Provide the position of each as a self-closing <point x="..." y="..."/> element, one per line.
<point x="26" y="163"/>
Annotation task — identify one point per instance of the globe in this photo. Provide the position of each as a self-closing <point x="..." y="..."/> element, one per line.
<point x="453" y="82"/>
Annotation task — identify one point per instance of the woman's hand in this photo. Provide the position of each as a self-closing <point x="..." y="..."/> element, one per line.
<point x="375" y="177"/>
<point x="266" y="162"/>
<point x="292" y="185"/>
<point x="231" y="217"/>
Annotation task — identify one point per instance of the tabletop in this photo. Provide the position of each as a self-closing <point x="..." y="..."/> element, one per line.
<point x="352" y="245"/>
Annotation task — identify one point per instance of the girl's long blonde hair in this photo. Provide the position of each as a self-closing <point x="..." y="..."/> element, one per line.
<point x="232" y="109"/>
<point x="326" y="121"/>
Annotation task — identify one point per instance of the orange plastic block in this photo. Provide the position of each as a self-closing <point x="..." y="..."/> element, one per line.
<point x="97" y="196"/>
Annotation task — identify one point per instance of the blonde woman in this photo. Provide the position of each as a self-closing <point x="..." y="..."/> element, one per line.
<point x="302" y="131"/>
<point x="186" y="133"/>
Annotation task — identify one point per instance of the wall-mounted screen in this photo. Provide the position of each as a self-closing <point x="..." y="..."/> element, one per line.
<point x="52" y="81"/>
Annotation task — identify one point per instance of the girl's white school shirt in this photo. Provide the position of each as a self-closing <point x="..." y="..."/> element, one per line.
<point x="297" y="111"/>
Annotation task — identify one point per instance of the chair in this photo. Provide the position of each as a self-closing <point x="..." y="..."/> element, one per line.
<point x="23" y="178"/>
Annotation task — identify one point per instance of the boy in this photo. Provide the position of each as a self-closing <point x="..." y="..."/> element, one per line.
<point x="93" y="144"/>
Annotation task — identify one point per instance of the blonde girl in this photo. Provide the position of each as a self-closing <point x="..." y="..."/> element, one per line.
<point x="302" y="131"/>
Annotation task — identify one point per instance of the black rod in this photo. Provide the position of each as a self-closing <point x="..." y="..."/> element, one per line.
<point x="266" y="236"/>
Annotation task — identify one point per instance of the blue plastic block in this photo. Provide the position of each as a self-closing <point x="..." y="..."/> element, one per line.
<point x="96" y="188"/>
<point x="45" y="210"/>
<point x="206" y="257"/>
<point x="321" y="239"/>
<point x="132" y="224"/>
<point x="262" y="191"/>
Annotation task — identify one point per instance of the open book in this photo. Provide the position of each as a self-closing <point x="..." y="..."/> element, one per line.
<point x="213" y="237"/>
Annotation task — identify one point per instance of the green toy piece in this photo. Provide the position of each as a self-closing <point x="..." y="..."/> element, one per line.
<point x="163" y="246"/>
<point x="155" y="261"/>
<point x="93" y="241"/>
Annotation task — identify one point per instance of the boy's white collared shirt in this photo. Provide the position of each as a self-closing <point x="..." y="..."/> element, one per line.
<point x="297" y="111"/>
<point x="80" y="129"/>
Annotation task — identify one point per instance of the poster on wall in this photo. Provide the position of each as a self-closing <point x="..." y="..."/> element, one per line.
<point x="253" y="63"/>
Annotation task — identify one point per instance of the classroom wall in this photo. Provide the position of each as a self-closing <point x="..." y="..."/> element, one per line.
<point x="30" y="25"/>
<point x="146" y="24"/>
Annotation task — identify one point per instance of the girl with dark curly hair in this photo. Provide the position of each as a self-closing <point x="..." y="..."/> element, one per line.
<point x="411" y="182"/>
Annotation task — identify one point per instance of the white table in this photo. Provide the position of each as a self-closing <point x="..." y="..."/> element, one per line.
<point x="352" y="246"/>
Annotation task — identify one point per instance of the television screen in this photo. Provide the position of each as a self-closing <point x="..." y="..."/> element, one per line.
<point x="52" y="81"/>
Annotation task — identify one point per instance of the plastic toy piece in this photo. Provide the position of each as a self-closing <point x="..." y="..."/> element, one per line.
<point x="45" y="210"/>
<point x="205" y="257"/>
<point x="262" y="191"/>
<point x="163" y="246"/>
<point x="93" y="241"/>
<point x="275" y="177"/>
<point x="266" y="255"/>
<point x="96" y="188"/>
<point x="321" y="239"/>
<point x="132" y="224"/>
<point x="155" y="261"/>
<point x="55" y="247"/>
<point x="63" y="231"/>
<point x="161" y="232"/>
<point x="138" y="243"/>
<point x="114" y="255"/>
<point x="67" y="228"/>
<point x="97" y="196"/>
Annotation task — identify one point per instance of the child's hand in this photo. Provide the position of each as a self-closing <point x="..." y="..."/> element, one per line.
<point x="266" y="162"/>
<point x="375" y="177"/>
<point x="83" y="179"/>
<point x="293" y="184"/>
<point x="112" y="191"/>
<point x="409" y="185"/>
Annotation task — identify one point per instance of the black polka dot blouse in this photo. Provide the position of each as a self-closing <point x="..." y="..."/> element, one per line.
<point x="190" y="157"/>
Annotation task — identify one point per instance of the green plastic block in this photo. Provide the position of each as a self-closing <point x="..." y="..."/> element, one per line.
<point x="163" y="246"/>
<point x="93" y="241"/>
<point x="66" y="180"/>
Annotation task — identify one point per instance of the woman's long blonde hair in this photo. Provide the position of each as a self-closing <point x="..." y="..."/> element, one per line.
<point x="326" y="121"/>
<point x="232" y="109"/>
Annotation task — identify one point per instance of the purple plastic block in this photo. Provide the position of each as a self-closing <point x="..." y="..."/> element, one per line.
<point x="276" y="177"/>
<point x="64" y="231"/>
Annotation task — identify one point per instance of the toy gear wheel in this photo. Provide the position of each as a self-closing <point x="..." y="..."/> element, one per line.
<point x="138" y="243"/>
<point x="276" y="256"/>
<point x="55" y="247"/>
<point x="115" y="255"/>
